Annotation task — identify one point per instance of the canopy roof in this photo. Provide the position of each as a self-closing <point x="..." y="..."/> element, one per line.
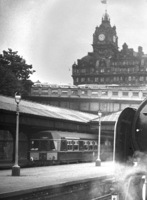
<point x="33" y="108"/>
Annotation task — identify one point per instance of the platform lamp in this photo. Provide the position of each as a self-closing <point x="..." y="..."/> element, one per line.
<point x="16" y="167"/>
<point x="98" y="161"/>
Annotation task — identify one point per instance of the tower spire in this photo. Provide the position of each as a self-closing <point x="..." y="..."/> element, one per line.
<point x="106" y="18"/>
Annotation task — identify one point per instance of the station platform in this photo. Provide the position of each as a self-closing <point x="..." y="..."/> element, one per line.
<point x="39" y="177"/>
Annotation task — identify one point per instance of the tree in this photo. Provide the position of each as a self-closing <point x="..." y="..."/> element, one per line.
<point x="14" y="74"/>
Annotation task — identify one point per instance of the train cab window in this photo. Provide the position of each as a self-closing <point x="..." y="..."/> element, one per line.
<point x="63" y="145"/>
<point x="35" y="145"/>
<point x="44" y="145"/>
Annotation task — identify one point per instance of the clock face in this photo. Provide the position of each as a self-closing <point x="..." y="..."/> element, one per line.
<point x="101" y="37"/>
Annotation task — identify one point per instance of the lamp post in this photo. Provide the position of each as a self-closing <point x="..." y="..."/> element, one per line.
<point x="16" y="167"/>
<point x="98" y="161"/>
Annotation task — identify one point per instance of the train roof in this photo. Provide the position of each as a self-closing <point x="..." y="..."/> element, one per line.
<point x="43" y="110"/>
<point x="63" y="135"/>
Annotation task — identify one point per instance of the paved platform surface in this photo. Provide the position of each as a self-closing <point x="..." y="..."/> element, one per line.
<point x="37" y="177"/>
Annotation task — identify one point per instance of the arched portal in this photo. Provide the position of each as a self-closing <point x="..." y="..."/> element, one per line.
<point x="6" y="146"/>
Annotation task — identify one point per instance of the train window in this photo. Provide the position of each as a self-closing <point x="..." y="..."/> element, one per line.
<point x="63" y="145"/>
<point x="107" y="143"/>
<point x="76" y="145"/>
<point x="90" y="147"/>
<point x="95" y="147"/>
<point x="69" y="145"/>
<point x="46" y="145"/>
<point x="94" y="144"/>
<point x="35" y="145"/>
<point x="85" y="145"/>
<point x="73" y="142"/>
<point x="81" y="145"/>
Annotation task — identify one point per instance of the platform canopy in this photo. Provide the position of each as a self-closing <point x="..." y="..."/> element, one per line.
<point x="37" y="109"/>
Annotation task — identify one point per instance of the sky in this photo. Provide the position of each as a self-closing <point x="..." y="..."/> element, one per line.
<point x="52" y="34"/>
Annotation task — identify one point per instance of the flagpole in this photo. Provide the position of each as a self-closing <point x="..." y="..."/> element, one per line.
<point x="104" y="2"/>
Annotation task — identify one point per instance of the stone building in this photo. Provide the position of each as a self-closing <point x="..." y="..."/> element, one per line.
<point x="107" y="64"/>
<point x="107" y="79"/>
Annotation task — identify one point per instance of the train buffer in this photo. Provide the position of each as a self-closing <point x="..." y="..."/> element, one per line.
<point x="83" y="181"/>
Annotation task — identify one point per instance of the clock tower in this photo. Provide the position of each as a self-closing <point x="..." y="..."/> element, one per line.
<point x="106" y="64"/>
<point x="105" y="40"/>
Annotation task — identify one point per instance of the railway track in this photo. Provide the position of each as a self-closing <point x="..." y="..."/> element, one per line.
<point x="105" y="197"/>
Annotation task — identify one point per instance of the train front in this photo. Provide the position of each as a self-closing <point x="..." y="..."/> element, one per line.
<point x="131" y="153"/>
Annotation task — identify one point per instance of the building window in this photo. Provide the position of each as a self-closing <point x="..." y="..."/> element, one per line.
<point x="75" y="92"/>
<point x="108" y="79"/>
<point x="54" y="91"/>
<point x="91" y="70"/>
<point x="144" y="94"/>
<point x="135" y="94"/>
<point x="91" y="79"/>
<point x="102" y="80"/>
<point x="125" y="93"/>
<point x="77" y="80"/>
<point x="83" y="71"/>
<point x="96" y="79"/>
<point x="104" y="93"/>
<point x="102" y="70"/>
<point x="84" y="92"/>
<point x="115" y="93"/>
<point x="64" y="92"/>
<point x="141" y="78"/>
<point x="74" y="71"/>
<point x="82" y="79"/>
<point x="129" y="78"/>
<point x="44" y="93"/>
<point x="93" y="93"/>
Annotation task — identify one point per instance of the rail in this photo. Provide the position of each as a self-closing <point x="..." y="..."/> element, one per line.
<point x="105" y="197"/>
